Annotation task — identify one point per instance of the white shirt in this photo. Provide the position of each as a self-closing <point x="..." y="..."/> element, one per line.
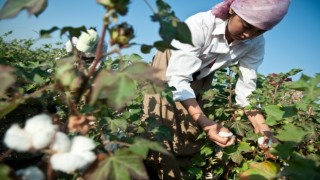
<point x="209" y="45"/>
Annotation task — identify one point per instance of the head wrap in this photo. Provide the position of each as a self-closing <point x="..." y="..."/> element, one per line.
<point x="262" y="14"/>
<point x="87" y="41"/>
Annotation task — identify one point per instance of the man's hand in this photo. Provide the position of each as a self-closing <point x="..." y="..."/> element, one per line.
<point x="210" y="127"/>
<point x="213" y="129"/>
<point x="259" y="124"/>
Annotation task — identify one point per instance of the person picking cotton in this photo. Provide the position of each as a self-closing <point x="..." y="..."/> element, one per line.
<point x="231" y="33"/>
<point x="86" y="45"/>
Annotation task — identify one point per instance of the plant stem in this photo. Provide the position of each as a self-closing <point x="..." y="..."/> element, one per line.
<point x="230" y="90"/>
<point x="5" y="154"/>
<point x="274" y="93"/>
<point x="99" y="55"/>
<point x="149" y="6"/>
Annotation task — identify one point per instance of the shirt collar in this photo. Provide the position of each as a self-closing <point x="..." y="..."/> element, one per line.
<point x="220" y="26"/>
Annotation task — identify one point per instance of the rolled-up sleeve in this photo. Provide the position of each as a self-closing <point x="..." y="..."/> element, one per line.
<point x="184" y="61"/>
<point x="248" y="66"/>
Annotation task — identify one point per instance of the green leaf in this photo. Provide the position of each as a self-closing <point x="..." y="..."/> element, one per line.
<point x="291" y="133"/>
<point x="139" y="71"/>
<point x="244" y="147"/>
<point x="236" y="157"/>
<point x="7" y="107"/>
<point x="302" y="168"/>
<point x="183" y="33"/>
<point x="135" y="58"/>
<point x="163" y="45"/>
<point x="117" y="87"/>
<point x="38" y="79"/>
<point x="240" y="127"/>
<point x="117" y="124"/>
<point x="142" y="147"/>
<point x="122" y="165"/>
<point x="262" y="170"/>
<point x="167" y="94"/>
<point x="46" y="33"/>
<point x="310" y="86"/>
<point x="293" y="72"/>
<point x="283" y="150"/>
<point x="7" y="78"/>
<point x="289" y="111"/>
<point x="206" y="151"/>
<point x="73" y="32"/>
<point x="5" y="172"/>
<point x="146" y="49"/>
<point x="274" y="114"/>
<point x="12" y="7"/>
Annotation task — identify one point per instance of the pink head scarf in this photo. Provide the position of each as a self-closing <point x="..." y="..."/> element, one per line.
<point x="263" y="14"/>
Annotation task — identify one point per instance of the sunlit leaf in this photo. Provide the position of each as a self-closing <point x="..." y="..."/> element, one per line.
<point x="293" y="72"/>
<point x="291" y="133"/>
<point x="262" y="170"/>
<point x="13" y="7"/>
<point x="310" y="86"/>
<point x="206" y="151"/>
<point x="274" y="114"/>
<point x="118" y="124"/>
<point x="244" y="147"/>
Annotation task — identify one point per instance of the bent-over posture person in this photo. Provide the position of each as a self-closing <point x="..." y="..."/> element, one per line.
<point x="231" y="33"/>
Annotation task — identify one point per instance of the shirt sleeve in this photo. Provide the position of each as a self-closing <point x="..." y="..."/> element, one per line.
<point x="184" y="61"/>
<point x="248" y="66"/>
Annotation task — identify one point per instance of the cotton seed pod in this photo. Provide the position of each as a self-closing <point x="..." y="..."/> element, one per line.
<point x="119" y="6"/>
<point x="240" y="112"/>
<point x="121" y="35"/>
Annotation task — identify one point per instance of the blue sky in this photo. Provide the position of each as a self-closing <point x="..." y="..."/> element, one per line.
<point x="294" y="43"/>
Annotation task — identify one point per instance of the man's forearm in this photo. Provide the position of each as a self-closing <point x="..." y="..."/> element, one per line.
<point x="195" y="111"/>
<point x="258" y="122"/>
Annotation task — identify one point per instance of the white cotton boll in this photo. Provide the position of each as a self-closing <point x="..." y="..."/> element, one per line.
<point x="261" y="141"/>
<point x="66" y="162"/>
<point x="17" y="139"/>
<point x="43" y="137"/>
<point x="81" y="144"/>
<point x="38" y="123"/>
<point x="31" y="173"/>
<point x="88" y="157"/>
<point x="61" y="142"/>
<point x="225" y="134"/>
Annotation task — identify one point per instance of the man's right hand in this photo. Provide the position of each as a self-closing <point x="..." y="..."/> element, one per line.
<point x="212" y="129"/>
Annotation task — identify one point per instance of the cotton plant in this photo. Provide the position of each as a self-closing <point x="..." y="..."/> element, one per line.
<point x="40" y="134"/>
